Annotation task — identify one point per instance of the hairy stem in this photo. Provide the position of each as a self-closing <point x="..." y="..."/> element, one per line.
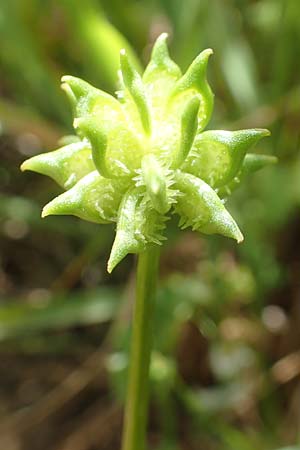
<point x="134" y="434"/>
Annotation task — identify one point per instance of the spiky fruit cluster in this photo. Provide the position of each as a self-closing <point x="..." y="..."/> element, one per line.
<point x="143" y="155"/>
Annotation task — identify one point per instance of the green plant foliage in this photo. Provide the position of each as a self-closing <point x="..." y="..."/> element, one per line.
<point x="62" y="311"/>
<point x="144" y="155"/>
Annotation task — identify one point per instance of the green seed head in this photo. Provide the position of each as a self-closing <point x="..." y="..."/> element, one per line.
<point x="143" y="156"/>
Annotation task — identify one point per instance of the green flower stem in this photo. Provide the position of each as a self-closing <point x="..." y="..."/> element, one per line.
<point x="141" y="343"/>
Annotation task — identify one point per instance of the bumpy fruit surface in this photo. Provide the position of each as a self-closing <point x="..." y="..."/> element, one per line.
<point x="143" y="155"/>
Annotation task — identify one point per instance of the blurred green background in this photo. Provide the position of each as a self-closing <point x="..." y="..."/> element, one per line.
<point x="225" y="373"/>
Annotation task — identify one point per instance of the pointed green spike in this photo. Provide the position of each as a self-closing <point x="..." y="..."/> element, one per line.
<point x="93" y="198"/>
<point x="189" y="126"/>
<point x="119" y="250"/>
<point x="194" y="82"/>
<point x="125" y="241"/>
<point x="253" y="163"/>
<point x="195" y="76"/>
<point x="92" y="130"/>
<point x="133" y="82"/>
<point x="217" y="155"/>
<point x="71" y="97"/>
<point x="222" y="223"/>
<point x="66" y="165"/>
<point x="160" y="61"/>
<point x="76" y="88"/>
<point x="86" y="99"/>
<point x="154" y="178"/>
<point x="201" y="208"/>
<point x="138" y="225"/>
<point x="160" y="76"/>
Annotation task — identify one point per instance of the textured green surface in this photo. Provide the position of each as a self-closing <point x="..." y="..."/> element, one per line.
<point x="143" y="155"/>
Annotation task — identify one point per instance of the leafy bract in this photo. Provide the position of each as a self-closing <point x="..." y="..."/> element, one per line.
<point x="138" y="225"/>
<point x="66" y="165"/>
<point x="200" y="208"/>
<point x="93" y="198"/>
<point x="217" y="155"/>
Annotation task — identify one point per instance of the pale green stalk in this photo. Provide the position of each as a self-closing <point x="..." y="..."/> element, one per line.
<point x="134" y="434"/>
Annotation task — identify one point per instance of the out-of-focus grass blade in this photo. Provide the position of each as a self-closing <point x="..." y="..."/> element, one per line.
<point x="234" y="53"/>
<point x="98" y="41"/>
<point x="132" y="19"/>
<point x="15" y="119"/>
<point x="286" y="46"/>
<point x="196" y="28"/>
<point x="239" y="68"/>
<point x="94" y="307"/>
<point x="27" y="71"/>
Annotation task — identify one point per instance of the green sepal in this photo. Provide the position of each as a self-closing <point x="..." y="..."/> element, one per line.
<point x="252" y="163"/>
<point x="217" y="155"/>
<point x="66" y="165"/>
<point x="93" y="198"/>
<point x="189" y="126"/>
<point x="101" y="119"/>
<point x="133" y="82"/>
<point x="92" y="130"/>
<point x="161" y="65"/>
<point x="192" y="83"/>
<point x="86" y="100"/>
<point x="125" y="241"/>
<point x="124" y="150"/>
<point x="138" y="225"/>
<point x="160" y="75"/>
<point x="200" y="208"/>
